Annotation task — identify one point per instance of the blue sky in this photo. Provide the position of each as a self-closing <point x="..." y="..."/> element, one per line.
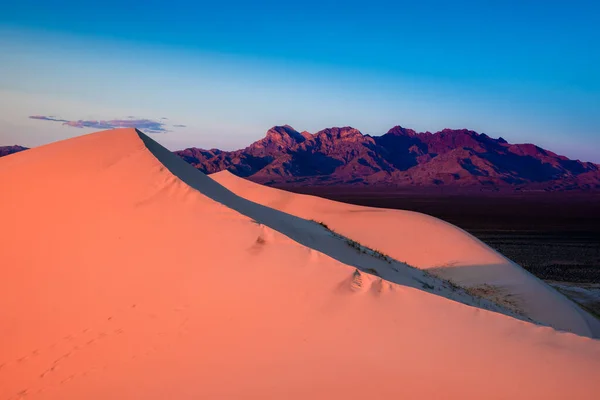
<point x="229" y="70"/>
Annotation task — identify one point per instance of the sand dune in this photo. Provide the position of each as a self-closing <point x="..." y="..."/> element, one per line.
<point x="429" y="243"/>
<point x="127" y="274"/>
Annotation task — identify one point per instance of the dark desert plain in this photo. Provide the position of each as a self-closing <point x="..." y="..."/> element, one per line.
<point x="554" y="235"/>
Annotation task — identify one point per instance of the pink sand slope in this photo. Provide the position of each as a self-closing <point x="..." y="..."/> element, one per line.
<point x="126" y="274"/>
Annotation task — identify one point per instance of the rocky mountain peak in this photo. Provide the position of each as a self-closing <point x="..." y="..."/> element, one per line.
<point x="400" y="131"/>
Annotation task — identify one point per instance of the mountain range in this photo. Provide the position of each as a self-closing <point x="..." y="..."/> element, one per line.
<point x="6" y="150"/>
<point x="402" y="157"/>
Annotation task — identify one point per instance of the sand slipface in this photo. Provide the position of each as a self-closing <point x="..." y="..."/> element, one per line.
<point x="434" y="245"/>
<point x="122" y="280"/>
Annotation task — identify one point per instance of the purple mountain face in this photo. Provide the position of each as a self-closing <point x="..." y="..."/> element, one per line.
<point x="454" y="158"/>
<point x="401" y="157"/>
<point x="6" y="150"/>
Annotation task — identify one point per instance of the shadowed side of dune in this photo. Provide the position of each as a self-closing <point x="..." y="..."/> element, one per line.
<point x="317" y="237"/>
<point x="430" y="244"/>
<point x="514" y="291"/>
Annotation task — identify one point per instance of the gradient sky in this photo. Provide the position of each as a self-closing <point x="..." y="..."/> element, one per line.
<point x="528" y="71"/>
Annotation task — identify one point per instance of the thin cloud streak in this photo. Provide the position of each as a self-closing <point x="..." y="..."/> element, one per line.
<point x="147" y="125"/>
<point x="50" y="118"/>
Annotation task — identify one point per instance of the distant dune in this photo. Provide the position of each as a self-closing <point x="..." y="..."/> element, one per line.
<point x="431" y="244"/>
<point x="129" y="274"/>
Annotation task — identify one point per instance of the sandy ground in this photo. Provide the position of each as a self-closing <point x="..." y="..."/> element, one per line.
<point x="127" y="274"/>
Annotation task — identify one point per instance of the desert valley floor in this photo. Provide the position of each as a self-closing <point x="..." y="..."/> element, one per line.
<point x="128" y="274"/>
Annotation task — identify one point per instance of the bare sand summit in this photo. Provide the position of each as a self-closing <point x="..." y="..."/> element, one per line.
<point x="127" y="274"/>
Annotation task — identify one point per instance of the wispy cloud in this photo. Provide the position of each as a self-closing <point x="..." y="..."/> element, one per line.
<point x="50" y="118"/>
<point x="147" y="125"/>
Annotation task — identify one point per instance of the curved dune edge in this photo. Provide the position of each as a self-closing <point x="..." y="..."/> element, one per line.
<point x="124" y="282"/>
<point x="316" y="237"/>
<point x="431" y="244"/>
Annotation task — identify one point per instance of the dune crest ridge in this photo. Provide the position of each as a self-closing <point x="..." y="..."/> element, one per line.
<point x="125" y="280"/>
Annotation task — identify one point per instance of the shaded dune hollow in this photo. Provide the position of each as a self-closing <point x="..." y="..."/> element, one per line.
<point x="128" y="274"/>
